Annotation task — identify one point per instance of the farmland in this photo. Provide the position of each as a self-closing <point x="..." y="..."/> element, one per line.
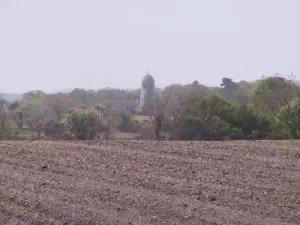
<point x="135" y="182"/>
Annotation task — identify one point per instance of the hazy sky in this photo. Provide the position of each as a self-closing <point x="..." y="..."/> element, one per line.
<point x="54" y="44"/>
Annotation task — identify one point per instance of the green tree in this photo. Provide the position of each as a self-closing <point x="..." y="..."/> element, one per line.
<point x="290" y="114"/>
<point x="54" y="129"/>
<point x="214" y="118"/>
<point x="126" y="124"/>
<point x="228" y="83"/>
<point x="84" y="124"/>
<point x="36" y="94"/>
<point x="199" y="120"/>
<point x="229" y="89"/>
<point x="249" y="124"/>
<point x="274" y="93"/>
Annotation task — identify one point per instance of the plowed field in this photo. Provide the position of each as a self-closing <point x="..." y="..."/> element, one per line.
<point x="131" y="182"/>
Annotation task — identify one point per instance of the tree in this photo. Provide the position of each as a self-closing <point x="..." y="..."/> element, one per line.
<point x="59" y="103"/>
<point x="100" y="109"/>
<point x="274" y="93"/>
<point x="84" y="124"/>
<point x="214" y="118"/>
<point x="244" y="92"/>
<point x="54" y="129"/>
<point x="82" y="97"/>
<point x="35" y="114"/>
<point x="228" y="83"/>
<point x="36" y="94"/>
<point x="163" y="111"/>
<point x="83" y="106"/>
<point x="3" y="114"/>
<point x="126" y="124"/>
<point x="16" y="112"/>
<point x="248" y="122"/>
<point x="195" y="83"/>
<point x="200" y="119"/>
<point x="290" y="114"/>
<point x="181" y="93"/>
<point x="108" y="105"/>
<point x="229" y="89"/>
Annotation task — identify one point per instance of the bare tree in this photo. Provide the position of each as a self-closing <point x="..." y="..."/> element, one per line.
<point x="59" y="103"/>
<point x="34" y="117"/>
<point x="3" y="114"/>
<point x="16" y="113"/>
<point x="163" y="113"/>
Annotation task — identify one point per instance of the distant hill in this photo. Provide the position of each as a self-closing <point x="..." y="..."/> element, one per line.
<point x="11" y="97"/>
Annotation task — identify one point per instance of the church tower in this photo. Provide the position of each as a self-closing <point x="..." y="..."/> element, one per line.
<point x="147" y="97"/>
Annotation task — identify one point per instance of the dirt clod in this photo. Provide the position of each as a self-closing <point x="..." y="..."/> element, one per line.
<point x="212" y="198"/>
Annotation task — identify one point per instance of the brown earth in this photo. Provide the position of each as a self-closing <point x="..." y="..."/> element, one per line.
<point x="131" y="182"/>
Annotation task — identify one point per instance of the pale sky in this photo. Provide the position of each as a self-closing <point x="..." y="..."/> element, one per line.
<point x="55" y="44"/>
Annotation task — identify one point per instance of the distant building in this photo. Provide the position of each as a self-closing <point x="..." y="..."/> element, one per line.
<point x="149" y="94"/>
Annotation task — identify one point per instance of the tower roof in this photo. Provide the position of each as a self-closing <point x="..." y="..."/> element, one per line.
<point x="148" y="77"/>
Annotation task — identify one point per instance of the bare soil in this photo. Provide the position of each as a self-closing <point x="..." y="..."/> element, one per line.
<point x="135" y="182"/>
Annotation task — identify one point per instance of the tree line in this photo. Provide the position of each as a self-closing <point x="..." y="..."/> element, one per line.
<point x="268" y="108"/>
